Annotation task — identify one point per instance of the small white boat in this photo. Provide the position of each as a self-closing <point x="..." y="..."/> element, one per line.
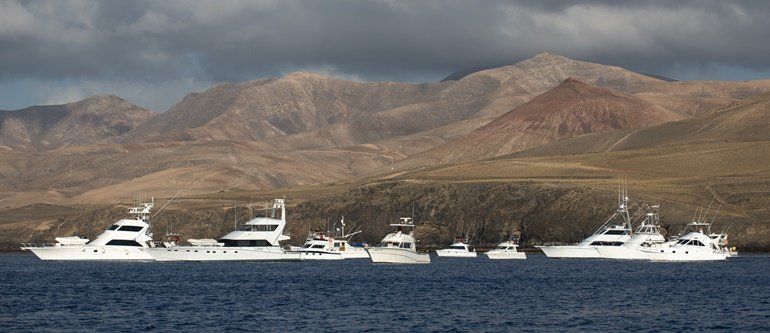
<point x="256" y="240"/>
<point x="647" y="236"/>
<point x="694" y="246"/>
<point x="399" y="247"/>
<point x="126" y="240"/>
<point x="608" y="235"/>
<point x="457" y="250"/>
<point x="506" y="250"/>
<point x="325" y="246"/>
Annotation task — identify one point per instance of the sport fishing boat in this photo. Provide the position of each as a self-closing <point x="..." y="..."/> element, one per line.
<point x="325" y="246"/>
<point x="507" y="250"/>
<point x="647" y="236"/>
<point x="399" y="247"/>
<point x="610" y="234"/>
<point x="459" y="249"/>
<point x="694" y="246"/>
<point x="256" y="240"/>
<point x="126" y="240"/>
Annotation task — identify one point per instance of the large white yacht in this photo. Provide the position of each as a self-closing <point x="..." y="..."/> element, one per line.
<point x="256" y="240"/>
<point x="325" y="246"/>
<point x="507" y="250"/>
<point x="125" y="240"/>
<point x="694" y="246"/>
<point x="647" y="236"/>
<point x="611" y="233"/>
<point x="399" y="247"/>
<point x="459" y="249"/>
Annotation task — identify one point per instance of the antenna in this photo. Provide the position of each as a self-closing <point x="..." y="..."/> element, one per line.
<point x="703" y="218"/>
<point x="715" y="215"/>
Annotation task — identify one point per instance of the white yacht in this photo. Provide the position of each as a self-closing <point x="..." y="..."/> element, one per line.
<point x="459" y="249"/>
<point x="256" y="240"/>
<point x="608" y="235"/>
<point x="694" y="246"/>
<point x="647" y="236"/>
<point x="125" y="240"/>
<point x="399" y="247"/>
<point x="325" y="246"/>
<point x="506" y="250"/>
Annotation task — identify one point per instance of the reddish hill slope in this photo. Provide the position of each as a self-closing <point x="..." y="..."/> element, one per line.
<point x="571" y="109"/>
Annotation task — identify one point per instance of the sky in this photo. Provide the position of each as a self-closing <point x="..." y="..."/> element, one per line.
<point x="152" y="53"/>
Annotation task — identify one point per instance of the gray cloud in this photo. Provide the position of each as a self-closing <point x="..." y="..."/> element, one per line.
<point x="155" y="43"/>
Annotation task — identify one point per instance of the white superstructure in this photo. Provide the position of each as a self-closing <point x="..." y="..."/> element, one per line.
<point x="647" y="236"/>
<point x="399" y="247"/>
<point x="506" y="250"/>
<point x="125" y="240"/>
<point x="459" y="249"/>
<point x="610" y="234"/>
<point x="256" y="240"/>
<point x="325" y="246"/>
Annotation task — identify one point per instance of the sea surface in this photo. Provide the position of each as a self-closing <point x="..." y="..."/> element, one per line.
<point x="537" y="294"/>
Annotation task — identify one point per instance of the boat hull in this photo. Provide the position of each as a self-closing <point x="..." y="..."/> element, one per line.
<point x="680" y="255"/>
<point x="504" y="255"/>
<point x="218" y="253"/>
<point x="91" y="253"/>
<point x="318" y="255"/>
<point x="455" y="254"/>
<point x="397" y="256"/>
<point x="569" y="251"/>
<point x="622" y="253"/>
<point x="358" y="254"/>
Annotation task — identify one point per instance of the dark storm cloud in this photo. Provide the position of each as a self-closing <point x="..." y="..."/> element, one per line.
<point x="161" y="41"/>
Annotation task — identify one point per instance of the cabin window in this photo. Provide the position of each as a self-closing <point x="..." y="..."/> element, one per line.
<point x="457" y="247"/>
<point x="604" y="243"/>
<point x="406" y="245"/>
<point x="123" y="242"/>
<point x="317" y="246"/>
<point x="696" y="243"/>
<point x="616" y="232"/>
<point x="113" y="227"/>
<point x="336" y="244"/>
<point x="130" y="228"/>
<point x="259" y="227"/>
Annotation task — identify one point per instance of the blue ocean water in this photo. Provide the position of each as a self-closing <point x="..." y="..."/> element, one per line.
<point x="537" y="294"/>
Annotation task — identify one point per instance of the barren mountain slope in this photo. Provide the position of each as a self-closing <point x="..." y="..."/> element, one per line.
<point x="307" y="110"/>
<point x="84" y="122"/>
<point x="571" y="109"/>
<point x="745" y="121"/>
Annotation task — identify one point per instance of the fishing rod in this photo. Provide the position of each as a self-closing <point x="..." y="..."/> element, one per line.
<point x="166" y="204"/>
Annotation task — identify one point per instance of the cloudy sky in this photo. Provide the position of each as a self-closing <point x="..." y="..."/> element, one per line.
<point x="153" y="52"/>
